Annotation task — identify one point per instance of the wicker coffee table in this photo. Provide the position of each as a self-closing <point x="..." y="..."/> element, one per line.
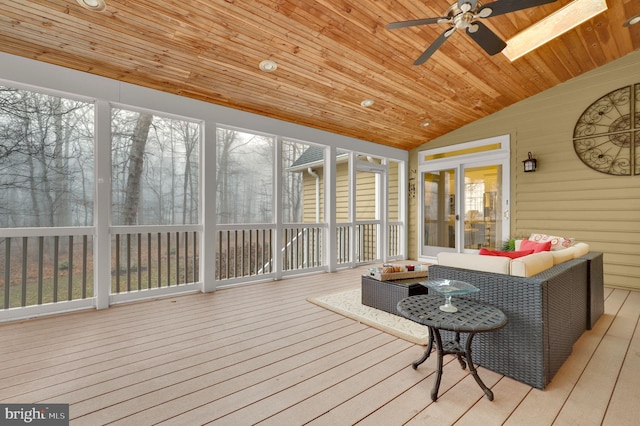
<point x="472" y="317"/>
<point x="385" y="295"/>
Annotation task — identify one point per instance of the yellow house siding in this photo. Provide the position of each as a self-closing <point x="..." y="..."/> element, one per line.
<point x="365" y="196"/>
<point x="564" y="196"/>
<point x="309" y="197"/>
<point x="392" y="201"/>
<point x="342" y="192"/>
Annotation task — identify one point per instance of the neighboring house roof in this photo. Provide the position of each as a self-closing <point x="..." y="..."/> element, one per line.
<point x="312" y="157"/>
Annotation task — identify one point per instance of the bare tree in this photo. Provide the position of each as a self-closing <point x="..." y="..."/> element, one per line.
<point x="191" y="142"/>
<point x="136" y="163"/>
<point x="244" y="167"/>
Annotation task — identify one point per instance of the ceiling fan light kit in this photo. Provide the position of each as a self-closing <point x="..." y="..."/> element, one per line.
<point x="465" y="15"/>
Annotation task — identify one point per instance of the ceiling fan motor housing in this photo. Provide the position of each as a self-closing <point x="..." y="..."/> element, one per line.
<point x="462" y="19"/>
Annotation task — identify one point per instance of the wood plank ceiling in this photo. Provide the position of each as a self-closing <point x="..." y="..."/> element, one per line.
<point x="331" y="55"/>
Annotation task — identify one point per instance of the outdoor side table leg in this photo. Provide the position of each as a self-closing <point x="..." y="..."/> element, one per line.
<point x="458" y="355"/>
<point x="440" y="352"/>
<point x="426" y="353"/>
<point x="472" y="368"/>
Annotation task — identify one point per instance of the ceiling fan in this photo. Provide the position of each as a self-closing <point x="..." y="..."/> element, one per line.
<point x="464" y="15"/>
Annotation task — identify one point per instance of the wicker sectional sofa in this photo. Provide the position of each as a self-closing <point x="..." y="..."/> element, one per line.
<point x="547" y="313"/>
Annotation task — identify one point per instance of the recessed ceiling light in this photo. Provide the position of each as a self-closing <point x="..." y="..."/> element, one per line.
<point x="554" y="25"/>
<point x="95" y="5"/>
<point x="367" y="103"/>
<point x="268" y="65"/>
<point x="425" y="124"/>
<point x="632" y="21"/>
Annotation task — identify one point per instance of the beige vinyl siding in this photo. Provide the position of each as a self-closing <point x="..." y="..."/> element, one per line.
<point x="392" y="196"/>
<point x="564" y="196"/>
<point x="309" y="197"/>
<point x="365" y="197"/>
<point x="342" y="192"/>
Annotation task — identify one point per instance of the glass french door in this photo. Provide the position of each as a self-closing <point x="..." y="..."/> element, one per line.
<point x="463" y="208"/>
<point x="439" y="212"/>
<point x="482" y="207"/>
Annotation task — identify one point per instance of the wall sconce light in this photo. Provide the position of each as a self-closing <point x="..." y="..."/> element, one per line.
<point x="530" y="164"/>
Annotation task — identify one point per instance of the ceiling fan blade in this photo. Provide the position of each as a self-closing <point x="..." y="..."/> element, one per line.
<point x="434" y="46"/>
<point x="416" y="22"/>
<point x="487" y="39"/>
<point x="505" y="6"/>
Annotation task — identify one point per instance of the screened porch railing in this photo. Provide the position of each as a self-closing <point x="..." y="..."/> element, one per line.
<point x="49" y="265"/>
<point x="366" y="242"/>
<point x="45" y="265"/>
<point x="394" y="240"/>
<point x="244" y="251"/>
<point x="154" y="257"/>
<point x="248" y="251"/>
<point x="302" y="247"/>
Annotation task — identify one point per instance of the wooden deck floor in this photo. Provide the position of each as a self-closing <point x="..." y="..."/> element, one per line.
<point x="263" y="354"/>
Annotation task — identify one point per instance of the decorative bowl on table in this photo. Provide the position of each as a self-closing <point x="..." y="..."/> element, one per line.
<point x="450" y="288"/>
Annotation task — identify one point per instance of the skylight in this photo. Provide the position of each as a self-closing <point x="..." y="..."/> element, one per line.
<point x="554" y="25"/>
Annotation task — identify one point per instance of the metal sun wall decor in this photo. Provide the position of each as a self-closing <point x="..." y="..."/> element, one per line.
<point x="606" y="138"/>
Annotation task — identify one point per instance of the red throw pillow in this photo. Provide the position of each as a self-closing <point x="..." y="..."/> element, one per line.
<point x="536" y="247"/>
<point x="509" y="254"/>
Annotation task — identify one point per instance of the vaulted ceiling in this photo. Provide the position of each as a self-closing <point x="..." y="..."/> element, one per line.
<point x="330" y="55"/>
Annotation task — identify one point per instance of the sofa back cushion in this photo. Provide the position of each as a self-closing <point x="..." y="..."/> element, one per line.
<point x="557" y="243"/>
<point x="576" y="250"/>
<point x="560" y="256"/>
<point x="531" y="265"/>
<point x="496" y="264"/>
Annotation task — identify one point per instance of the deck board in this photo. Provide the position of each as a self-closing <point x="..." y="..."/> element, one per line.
<point x="262" y="354"/>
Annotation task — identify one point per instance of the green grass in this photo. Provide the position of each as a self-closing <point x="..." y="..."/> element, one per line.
<point x="15" y="291"/>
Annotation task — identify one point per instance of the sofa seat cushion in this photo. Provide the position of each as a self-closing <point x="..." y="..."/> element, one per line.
<point x="531" y="265"/>
<point x="496" y="264"/>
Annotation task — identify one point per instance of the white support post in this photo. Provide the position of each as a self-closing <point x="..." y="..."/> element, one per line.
<point x="352" y="208"/>
<point x="207" y="215"/>
<point x="330" y="179"/>
<point x="403" y="203"/>
<point x="102" y="204"/>
<point x="277" y="210"/>
<point x="382" y="213"/>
